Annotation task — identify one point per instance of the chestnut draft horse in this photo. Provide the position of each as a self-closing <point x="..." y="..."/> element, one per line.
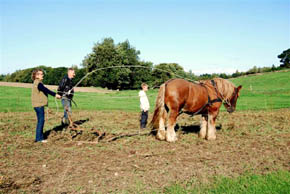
<point x="179" y="96"/>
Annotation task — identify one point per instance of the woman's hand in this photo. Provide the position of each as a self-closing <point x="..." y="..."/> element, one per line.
<point x="58" y="96"/>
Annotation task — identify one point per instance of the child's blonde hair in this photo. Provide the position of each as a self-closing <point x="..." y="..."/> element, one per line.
<point x="143" y="85"/>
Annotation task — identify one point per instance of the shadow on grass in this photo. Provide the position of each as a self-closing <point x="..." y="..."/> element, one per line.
<point x="192" y="128"/>
<point x="62" y="127"/>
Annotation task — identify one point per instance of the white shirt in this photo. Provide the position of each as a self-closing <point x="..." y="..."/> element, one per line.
<point x="144" y="103"/>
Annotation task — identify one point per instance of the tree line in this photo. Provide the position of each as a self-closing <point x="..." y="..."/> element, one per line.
<point x="129" y="71"/>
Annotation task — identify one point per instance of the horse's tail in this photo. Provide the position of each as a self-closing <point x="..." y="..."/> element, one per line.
<point x="159" y="108"/>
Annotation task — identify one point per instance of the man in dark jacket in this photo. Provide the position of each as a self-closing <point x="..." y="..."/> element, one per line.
<point x="65" y="89"/>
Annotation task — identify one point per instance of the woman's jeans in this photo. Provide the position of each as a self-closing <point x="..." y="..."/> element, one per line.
<point x="40" y="123"/>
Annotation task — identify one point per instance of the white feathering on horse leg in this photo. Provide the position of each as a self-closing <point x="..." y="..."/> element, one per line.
<point x="203" y="126"/>
<point x="170" y="133"/>
<point x="161" y="131"/>
<point x="211" y="132"/>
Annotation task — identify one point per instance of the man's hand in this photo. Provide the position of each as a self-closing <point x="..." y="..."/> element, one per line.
<point x="58" y="96"/>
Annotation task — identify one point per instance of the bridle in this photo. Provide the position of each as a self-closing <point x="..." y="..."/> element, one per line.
<point x="221" y="98"/>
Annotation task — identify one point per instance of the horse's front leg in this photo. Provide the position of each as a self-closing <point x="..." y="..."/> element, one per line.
<point x="211" y="131"/>
<point x="170" y="133"/>
<point x="203" y="126"/>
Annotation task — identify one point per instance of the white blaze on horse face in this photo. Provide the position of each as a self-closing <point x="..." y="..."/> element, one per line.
<point x="211" y="131"/>
<point x="203" y="125"/>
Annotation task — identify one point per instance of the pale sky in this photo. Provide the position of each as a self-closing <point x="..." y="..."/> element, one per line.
<point x="203" y="36"/>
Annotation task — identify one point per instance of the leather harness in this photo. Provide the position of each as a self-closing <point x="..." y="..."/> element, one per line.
<point x="209" y="102"/>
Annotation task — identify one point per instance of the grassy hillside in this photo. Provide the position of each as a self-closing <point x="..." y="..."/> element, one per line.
<point x="260" y="92"/>
<point x="264" y="91"/>
<point x="18" y="99"/>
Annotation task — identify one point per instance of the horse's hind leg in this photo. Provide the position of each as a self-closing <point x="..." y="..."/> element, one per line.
<point x="203" y="126"/>
<point x="170" y="133"/>
<point x="161" y="131"/>
<point x="211" y="132"/>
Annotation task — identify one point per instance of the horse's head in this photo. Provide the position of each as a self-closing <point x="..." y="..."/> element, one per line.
<point x="230" y="103"/>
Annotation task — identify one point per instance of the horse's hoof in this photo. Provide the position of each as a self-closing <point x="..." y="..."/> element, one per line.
<point x="170" y="139"/>
<point x="201" y="136"/>
<point x="160" y="136"/>
<point x="211" y="138"/>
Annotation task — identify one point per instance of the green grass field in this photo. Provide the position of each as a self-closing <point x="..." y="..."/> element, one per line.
<point x="13" y="99"/>
<point x="273" y="183"/>
<point x="260" y="92"/>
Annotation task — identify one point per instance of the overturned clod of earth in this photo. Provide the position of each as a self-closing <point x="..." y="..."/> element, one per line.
<point x="69" y="133"/>
<point x="75" y="133"/>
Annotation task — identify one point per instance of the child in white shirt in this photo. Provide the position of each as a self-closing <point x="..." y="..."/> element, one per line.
<point x="144" y="105"/>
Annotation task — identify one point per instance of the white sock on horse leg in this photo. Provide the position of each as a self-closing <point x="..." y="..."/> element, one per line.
<point x="211" y="132"/>
<point x="170" y="132"/>
<point x="203" y="125"/>
<point x="161" y="131"/>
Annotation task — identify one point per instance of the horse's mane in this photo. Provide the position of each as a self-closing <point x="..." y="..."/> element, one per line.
<point x="225" y="87"/>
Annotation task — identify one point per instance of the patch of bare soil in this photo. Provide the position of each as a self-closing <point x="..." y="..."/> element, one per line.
<point x="53" y="87"/>
<point x="79" y="161"/>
